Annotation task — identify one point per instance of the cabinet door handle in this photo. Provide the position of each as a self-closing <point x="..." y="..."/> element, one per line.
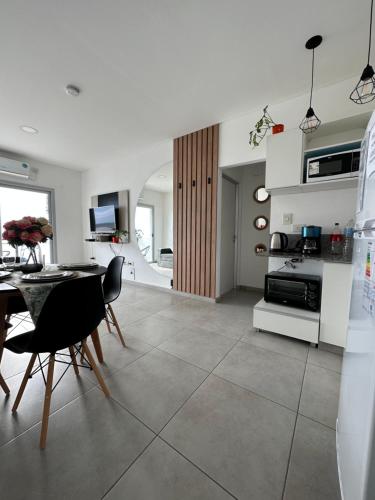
<point x="209" y="180"/>
<point x="180" y="185"/>
<point x="193" y="183"/>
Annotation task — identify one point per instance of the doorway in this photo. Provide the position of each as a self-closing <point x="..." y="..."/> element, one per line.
<point x="144" y="230"/>
<point x="17" y="202"/>
<point x="228" y="235"/>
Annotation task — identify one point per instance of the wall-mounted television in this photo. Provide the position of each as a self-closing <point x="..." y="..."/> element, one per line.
<point x="104" y="219"/>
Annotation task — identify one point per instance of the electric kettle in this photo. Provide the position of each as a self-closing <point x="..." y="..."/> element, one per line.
<point x="279" y="242"/>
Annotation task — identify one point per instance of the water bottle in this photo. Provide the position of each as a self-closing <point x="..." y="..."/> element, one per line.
<point x="336" y="239"/>
<point x="347" y="248"/>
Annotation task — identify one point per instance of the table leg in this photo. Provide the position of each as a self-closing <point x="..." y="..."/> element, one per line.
<point x="3" y="332"/>
<point x="97" y="345"/>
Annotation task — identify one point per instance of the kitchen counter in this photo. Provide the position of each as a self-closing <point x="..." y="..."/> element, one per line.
<point x="324" y="256"/>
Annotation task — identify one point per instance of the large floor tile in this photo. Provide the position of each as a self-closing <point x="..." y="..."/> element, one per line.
<point x="163" y="474"/>
<point x="199" y="347"/>
<point x="154" y="329"/>
<point x="241" y="440"/>
<point x="225" y="323"/>
<point x="267" y="373"/>
<point x="30" y="409"/>
<point x="155" y="386"/>
<point x="128" y="314"/>
<point x="187" y="311"/>
<point x="90" y="444"/>
<point x="277" y="343"/>
<point x="320" y="395"/>
<point x="312" y="471"/>
<point x="325" y="359"/>
<point x="115" y="355"/>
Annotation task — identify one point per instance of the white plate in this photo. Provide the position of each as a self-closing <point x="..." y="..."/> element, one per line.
<point x="78" y="265"/>
<point x="4" y="274"/>
<point x="47" y="276"/>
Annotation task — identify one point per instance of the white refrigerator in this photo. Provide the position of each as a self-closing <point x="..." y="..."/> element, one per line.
<point x="356" y="418"/>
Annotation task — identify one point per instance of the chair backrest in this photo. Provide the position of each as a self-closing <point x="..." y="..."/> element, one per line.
<point x="113" y="279"/>
<point x="71" y="312"/>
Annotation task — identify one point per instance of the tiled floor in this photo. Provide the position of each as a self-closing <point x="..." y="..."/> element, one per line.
<point x="202" y="407"/>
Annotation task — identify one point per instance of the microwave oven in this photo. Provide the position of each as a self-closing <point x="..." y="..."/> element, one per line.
<point x="293" y="289"/>
<point x="333" y="166"/>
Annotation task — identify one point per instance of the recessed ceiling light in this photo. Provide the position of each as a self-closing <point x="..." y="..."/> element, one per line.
<point x="28" y="129"/>
<point x="72" y="90"/>
<point x="162" y="176"/>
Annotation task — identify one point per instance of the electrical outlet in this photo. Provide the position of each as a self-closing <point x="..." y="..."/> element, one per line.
<point x="287" y="219"/>
<point x="130" y="273"/>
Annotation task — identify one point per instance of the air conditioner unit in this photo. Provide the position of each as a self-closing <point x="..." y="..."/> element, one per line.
<point x="14" y="167"/>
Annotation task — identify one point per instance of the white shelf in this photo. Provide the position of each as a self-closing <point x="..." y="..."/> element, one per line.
<point x="317" y="186"/>
<point x="288" y="311"/>
<point x="288" y="321"/>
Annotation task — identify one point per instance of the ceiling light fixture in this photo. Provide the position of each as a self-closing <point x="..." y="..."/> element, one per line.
<point x="311" y="122"/>
<point x="72" y="90"/>
<point x="28" y="129"/>
<point x="364" y="91"/>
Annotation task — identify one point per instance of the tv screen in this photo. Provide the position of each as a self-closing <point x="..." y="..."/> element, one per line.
<point x="105" y="219"/>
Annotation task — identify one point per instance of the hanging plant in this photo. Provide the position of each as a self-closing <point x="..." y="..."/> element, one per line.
<point x="261" y="128"/>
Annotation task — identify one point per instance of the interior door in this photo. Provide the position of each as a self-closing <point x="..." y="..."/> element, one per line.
<point x="228" y="236"/>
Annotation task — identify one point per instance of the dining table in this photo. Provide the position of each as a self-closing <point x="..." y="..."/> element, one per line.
<point x="13" y="287"/>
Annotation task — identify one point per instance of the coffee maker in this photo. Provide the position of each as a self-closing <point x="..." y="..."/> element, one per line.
<point x="311" y="240"/>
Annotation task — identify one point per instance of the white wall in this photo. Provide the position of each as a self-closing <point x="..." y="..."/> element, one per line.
<point x="168" y="220"/>
<point x="126" y="173"/>
<point x="322" y="208"/>
<point x="252" y="268"/>
<point x="66" y="184"/>
<point x="330" y="103"/>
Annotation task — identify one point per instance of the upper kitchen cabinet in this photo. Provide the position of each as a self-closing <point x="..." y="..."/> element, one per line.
<point x="284" y="159"/>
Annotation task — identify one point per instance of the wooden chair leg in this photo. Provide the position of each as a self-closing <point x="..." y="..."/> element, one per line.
<point x="107" y="323"/>
<point x="47" y="402"/>
<point x="74" y="360"/>
<point x="95" y="369"/>
<point x="4" y="385"/>
<point x="97" y="345"/>
<point x="23" y="383"/>
<point x="115" y="322"/>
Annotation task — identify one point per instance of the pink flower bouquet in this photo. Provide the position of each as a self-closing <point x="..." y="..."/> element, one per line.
<point x="27" y="231"/>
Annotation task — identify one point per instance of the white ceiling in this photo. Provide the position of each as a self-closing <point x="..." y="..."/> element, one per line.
<point x="162" y="179"/>
<point x="151" y="70"/>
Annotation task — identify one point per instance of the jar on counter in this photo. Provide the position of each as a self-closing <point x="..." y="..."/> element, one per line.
<point x="336" y="240"/>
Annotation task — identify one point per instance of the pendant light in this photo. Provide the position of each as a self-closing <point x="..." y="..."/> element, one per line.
<point x="311" y="122"/>
<point x="364" y="91"/>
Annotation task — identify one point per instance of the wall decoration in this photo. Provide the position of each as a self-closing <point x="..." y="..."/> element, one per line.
<point x="260" y="222"/>
<point x="260" y="248"/>
<point x="261" y="127"/>
<point x="311" y="122"/>
<point x="260" y="194"/>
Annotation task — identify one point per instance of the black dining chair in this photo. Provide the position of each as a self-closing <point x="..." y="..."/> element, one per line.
<point x="112" y="288"/>
<point x="72" y="310"/>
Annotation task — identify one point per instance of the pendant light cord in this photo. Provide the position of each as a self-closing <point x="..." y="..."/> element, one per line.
<point x="369" y="41"/>
<point x="312" y="75"/>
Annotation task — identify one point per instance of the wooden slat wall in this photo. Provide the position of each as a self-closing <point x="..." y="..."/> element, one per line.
<point x="195" y="164"/>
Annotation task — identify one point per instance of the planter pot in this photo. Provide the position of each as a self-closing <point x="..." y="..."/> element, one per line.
<point x="276" y="129"/>
<point x="115" y="239"/>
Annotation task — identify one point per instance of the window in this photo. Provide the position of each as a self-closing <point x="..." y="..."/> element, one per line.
<point x="15" y="203"/>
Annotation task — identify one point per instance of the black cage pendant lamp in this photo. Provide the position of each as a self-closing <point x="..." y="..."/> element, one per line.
<point x="364" y="91"/>
<point x="311" y="122"/>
